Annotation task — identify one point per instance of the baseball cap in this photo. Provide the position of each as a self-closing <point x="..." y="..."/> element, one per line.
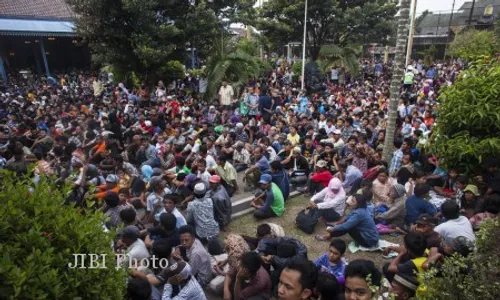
<point x="426" y="219"/>
<point x="214" y="179"/>
<point x="321" y="163"/>
<point x="111" y="178"/>
<point x="265" y="179"/>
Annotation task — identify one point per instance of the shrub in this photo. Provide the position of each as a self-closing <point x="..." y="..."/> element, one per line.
<point x="474" y="277"/>
<point x="471" y="44"/>
<point x="39" y="236"/>
<point x="469" y="117"/>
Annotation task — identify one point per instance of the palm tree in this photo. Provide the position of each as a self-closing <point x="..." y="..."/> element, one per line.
<point x="397" y="75"/>
<point x="229" y="63"/>
<point x="346" y="57"/>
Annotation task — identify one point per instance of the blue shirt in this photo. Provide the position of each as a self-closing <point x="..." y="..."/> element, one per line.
<point x="263" y="164"/>
<point x="326" y="266"/>
<point x="361" y="221"/>
<point x="415" y="206"/>
<point x="282" y="181"/>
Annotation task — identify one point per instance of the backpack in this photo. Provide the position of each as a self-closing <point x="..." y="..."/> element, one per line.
<point x="306" y="220"/>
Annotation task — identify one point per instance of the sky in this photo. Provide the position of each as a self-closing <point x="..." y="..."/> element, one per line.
<point x="436" y="5"/>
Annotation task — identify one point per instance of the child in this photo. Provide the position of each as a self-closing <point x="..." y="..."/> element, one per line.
<point x="333" y="262"/>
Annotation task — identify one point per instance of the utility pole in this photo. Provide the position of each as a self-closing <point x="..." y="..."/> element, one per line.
<point x="304" y="47"/>
<point x="449" y="29"/>
<point x="412" y="32"/>
<point x="471" y="12"/>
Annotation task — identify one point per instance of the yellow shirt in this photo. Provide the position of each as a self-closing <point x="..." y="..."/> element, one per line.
<point x="294" y="139"/>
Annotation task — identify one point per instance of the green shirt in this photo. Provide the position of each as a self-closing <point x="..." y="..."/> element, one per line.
<point x="409" y="78"/>
<point x="278" y="205"/>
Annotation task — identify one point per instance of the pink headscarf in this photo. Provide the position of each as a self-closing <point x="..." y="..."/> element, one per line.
<point x="335" y="185"/>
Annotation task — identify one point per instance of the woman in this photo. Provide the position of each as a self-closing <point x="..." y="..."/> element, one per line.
<point x="470" y="203"/>
<point x="393" y="220"/>
<point x="359" y="225"/>
<point x="330" y="202"/>
<point x="381" y="188"/>
<point x="406" y="129"/>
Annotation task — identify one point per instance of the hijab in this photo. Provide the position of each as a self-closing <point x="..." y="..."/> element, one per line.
<point x="335" y="185"/>
<point x="147" y="172"/>
<point x="236" y="246"/>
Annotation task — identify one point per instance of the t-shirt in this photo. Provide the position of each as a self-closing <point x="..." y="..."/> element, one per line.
<point x="260" y="284"/>
<point x="278" y="203"/>
<point x="263" y="164"/>
<point x="451" y="229"/>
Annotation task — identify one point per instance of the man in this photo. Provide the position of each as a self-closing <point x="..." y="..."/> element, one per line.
<point x="417" y="205"/>
<point x="270" y="203"/>
<point x="166" y="231"/>
<point x="200" y="212"/>
<point x="266" y="105"/>
<point x="455" y="225"/>
<point x="227" y="173"/>
<point x="111" y="186"/>
<point x="297" y="281"/>
<point x="396" y="157"/>
<point x="261" y="166"/>
<point x="241" y="157"/>
<point x="425" y="227"/>
<point x="308" y="149"/>
<point x="298" y="167"/>
<point x="280" y="177"/>
<point x="136" y="250"/>
<point x="169" y="201"/>
<point x="293" y="136"/>
<point x="350" y="175"/>
<point x="249" y="280"/>
<point x="17" y="163"/>
<point x="180" y="274"/>
<point x="404" y="287"/>
<point x="226" y="94"/>
<point x="221" y="201"/>
<point x="196" y="255"/>
<point x="319" y="179"/>
<point x="114" y="204"/>
<point x="408" y="79"/>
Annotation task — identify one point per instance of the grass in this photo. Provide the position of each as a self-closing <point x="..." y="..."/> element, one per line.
<point x="247" y="225"/>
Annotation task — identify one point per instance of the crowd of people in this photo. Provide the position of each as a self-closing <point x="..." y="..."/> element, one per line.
<point x="164" y="165"/>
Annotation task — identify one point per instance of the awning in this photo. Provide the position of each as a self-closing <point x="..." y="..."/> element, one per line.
<point x="24" y="27"/>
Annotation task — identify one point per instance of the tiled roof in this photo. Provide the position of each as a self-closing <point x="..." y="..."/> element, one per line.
<point x="38" y="9"/>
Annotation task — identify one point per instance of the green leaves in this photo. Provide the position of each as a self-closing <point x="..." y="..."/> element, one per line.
<point x="39" y="237"/>
<point x="472" y="44"/>
<point x="469" y="117"/>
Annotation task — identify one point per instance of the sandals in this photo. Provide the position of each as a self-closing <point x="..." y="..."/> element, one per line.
<point x="320" y="238"/>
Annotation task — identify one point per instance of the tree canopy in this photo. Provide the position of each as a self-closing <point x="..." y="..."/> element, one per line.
<point x="335" y="22"/>
<point x="144" y="35"/>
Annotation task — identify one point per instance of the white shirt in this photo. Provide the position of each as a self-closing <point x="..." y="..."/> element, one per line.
<point x="455" y="228"/>
<point x="226" y="95"/>
<point x="135" y="253"/>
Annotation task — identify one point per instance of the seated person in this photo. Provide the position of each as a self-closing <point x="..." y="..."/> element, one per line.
<point x="470" y="202"/>
<point x="298" y="280"/>
<point x="200" y="213"/>
<point x="417" y="205"/>
<point x="138" y="288"/>
<point x="113" y="205"/>
<point x="362" y="278"/>
<point x="492" y="208"/>
<point x="327" y="287"/>
<point x="358" y="224"/>
<point x="135" y="249"/>
<point x="459" y="245"/>
<point x="330" y="202"/>
<point x="410" y="258"/>
<point x="241" y="157"/>
<point x="319" y="179"/>
<point x="455" y="225"/>
<point x="181" y="277"/>
<point x="393" y="220"/>
<point x="195" y="254"/>
<point x="424" y="226"/>
<point x="264" y="230"/>
<point x="110" y="186"/>
<point x="270" y="203"/>
<point x="169" y="202"/>
<point x="129" y="217"/>
<point x="333" y="262"/>
<point x="404" y="287"/>
<point x="297" y="166"/>
<point x="167" y="230"/>
<point x="249" y="280"/>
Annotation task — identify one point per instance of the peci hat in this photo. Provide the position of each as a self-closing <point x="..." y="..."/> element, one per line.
<point x="199" y="189"/>
<point x="214" y="179"/>
<point x="265" y="179"/>
<point x="180" y="268"/>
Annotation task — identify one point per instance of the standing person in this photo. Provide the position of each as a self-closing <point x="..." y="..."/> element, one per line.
<point x="200" y="212"/>
<point x="196" y="255"/>
<point x="221" y="201"/>
<point x="180" y="276"/>
<point x="266" y="105"/>
<point x="270" y="203"/>
<point x="226" y="94"/>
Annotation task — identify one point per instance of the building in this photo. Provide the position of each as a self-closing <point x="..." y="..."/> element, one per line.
<point x="39" y="35"/>
<point x="439" y="29"/>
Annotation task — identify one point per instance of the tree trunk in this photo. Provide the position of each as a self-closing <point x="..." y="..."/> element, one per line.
<point x="398" y="70"/>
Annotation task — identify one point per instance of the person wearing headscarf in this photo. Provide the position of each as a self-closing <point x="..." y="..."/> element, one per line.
<point x="393" y="220"/>
<point x="330" y="202"/>
<point x="147" y="172"/>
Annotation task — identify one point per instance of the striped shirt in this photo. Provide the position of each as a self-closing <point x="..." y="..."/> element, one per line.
<point x="191" y="291"/>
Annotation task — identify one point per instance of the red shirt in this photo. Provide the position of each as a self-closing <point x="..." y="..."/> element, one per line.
<point x="323" y="177"/>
